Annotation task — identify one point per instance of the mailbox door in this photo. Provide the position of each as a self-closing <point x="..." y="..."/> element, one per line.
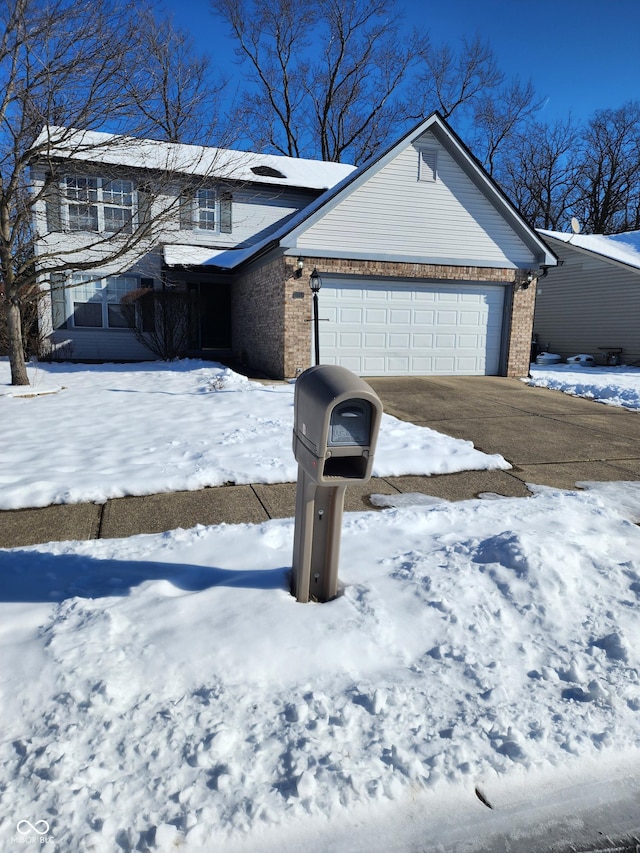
<point x="350" y="424"/>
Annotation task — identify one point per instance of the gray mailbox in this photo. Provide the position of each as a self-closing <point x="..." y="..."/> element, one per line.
<point x="336" y="421"/>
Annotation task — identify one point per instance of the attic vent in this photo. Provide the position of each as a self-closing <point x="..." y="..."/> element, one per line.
<point x="427" y="164"/>
<point x="267" y="172"/>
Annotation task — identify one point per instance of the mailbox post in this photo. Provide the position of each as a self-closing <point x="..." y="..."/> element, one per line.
<point x="336" y="421"/>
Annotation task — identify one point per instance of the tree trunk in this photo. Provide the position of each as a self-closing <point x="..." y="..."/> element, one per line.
<point x="16" y="350"/>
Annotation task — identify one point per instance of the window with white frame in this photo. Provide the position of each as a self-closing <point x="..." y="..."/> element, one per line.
<point x="206" y="209"/>
<point x="95" y="303"/>
<point x="99" y="204"/>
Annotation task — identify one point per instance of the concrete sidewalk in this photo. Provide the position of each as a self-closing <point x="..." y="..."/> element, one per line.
<point x="548" y="437"/>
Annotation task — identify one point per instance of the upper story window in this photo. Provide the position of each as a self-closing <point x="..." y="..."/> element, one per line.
<point x="427" y="164"/>
<point x="206" y="213"/>
<point x="99" y="204"/>
<point x="206" y="210"/>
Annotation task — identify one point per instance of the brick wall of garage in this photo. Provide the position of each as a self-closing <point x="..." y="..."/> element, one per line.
<point x="272" y="309"/>
<point x="521" y="330"/>
<point x="258" y="317"/>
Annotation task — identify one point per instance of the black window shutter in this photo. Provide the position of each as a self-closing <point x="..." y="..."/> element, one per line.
<point x="186" y="211"/>
<point x="144" y="207"/>
<point x="53" y="201"/>
<point x="225" y="212"/>
<point x="58" y="301"/>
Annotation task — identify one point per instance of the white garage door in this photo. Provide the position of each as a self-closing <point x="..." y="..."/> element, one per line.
<point x="377" y="329"/>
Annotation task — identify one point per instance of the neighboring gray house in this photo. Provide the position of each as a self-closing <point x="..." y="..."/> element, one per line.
<point x="426" y="267"/>
<point x="590" y="302"/>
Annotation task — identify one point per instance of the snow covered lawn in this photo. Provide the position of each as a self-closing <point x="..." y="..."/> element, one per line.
<point x="615" y="386"/>
<point x="115" y="430"/>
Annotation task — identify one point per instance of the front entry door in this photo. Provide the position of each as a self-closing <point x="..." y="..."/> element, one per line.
<point x="211" y="316"/>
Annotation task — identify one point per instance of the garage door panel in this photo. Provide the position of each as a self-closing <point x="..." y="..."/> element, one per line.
<point x="468" y="342"/>
<point x="397" y="317"/>
<point x="425" y="295"/>
<point x="329" y="341"/>
<point x="466" y="364"/>
<point x="421" y="366"/>
<point x="330" y="314"/>
<point x="444" y="364"/>
<point x="399" y="340"/>
<point x="350" y="315"/>
<point x="375" y="340"/>
<point x="350" y="340"/>
<point x="422" y="329"/>
<point x="398" y="364"/>
<point x="445" y="342"/>
<point x="471" y="318"/>
<point x="422" y="341"/>
<point x="374" y="365"/>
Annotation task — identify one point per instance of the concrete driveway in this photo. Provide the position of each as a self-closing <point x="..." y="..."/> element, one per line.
<point x="548" y="437"/>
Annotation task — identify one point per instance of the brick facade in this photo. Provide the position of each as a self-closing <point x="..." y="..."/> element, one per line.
<point x="272" y="308"/>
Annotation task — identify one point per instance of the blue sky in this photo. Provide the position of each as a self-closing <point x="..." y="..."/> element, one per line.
<point x="582" y="55"/>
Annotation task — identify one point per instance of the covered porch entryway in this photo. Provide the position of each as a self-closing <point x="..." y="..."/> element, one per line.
<point x="209" y="302"/>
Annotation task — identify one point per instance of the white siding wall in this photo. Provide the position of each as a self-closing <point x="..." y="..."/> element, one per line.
<point x="396" y="214"/>
<point x="588" y="303"/>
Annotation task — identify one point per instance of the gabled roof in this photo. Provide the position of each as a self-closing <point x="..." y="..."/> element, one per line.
<point x="464" y="158"/>
<point x="621" y="248"/>
<point x="222" y="163"/>
<point x="285" y="236"/>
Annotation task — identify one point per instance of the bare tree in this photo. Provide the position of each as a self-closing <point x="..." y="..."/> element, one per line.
<point x="498" y="116"/>
<point x="607" y="199"/>
<point x="454" y="82"/>
<point x="159" y="319"/>
<point x="538" y="171"/>
<point x="64" y="63"/>
<point x="173" y="89"/>
<point x="336" y="99"/>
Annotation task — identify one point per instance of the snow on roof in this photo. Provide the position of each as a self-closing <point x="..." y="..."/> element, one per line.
<point x="618" y="247"/>
<point x="98" y="147"/>
<point x="184" y="255"/>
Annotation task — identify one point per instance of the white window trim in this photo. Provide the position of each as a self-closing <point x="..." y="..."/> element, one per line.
<point x="190" y="211"/>
<point x="427" y="165"/>
<point x="99" y="204"/>
<point x="216" y="211"/>
<point x="71" y="292"/>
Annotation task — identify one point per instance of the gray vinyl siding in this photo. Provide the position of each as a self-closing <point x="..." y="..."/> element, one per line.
<point x="99" y="345"/>
<point x="586" y="303"/>
<point x="394" y="214"/>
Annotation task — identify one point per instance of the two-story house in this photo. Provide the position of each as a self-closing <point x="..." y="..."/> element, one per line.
<point x="426" y="267"/>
